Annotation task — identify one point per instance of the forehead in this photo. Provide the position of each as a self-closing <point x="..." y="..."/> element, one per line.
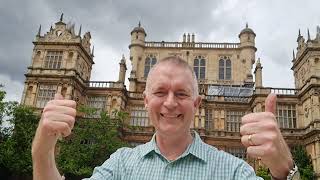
<point x="172" y="75"/>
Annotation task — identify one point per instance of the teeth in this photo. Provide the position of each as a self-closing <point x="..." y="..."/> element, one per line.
<point x="170" y="116"/>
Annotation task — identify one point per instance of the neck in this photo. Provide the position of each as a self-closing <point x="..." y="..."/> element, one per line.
<point x="173" y="146"/>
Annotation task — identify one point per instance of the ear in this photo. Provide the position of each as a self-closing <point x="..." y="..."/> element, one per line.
<point x="197" y="101"/>
<point x="145" y="99"/>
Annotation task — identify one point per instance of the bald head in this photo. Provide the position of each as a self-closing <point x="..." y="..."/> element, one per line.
<point x="177" y="62"/>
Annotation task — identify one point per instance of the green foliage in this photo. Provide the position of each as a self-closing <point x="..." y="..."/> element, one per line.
<point x="92" y="142"/>
<point x="15" y="149"/>
<point x="2" y="106"/>
<point x="304" y="163"/>
<point x="263" y="172"/>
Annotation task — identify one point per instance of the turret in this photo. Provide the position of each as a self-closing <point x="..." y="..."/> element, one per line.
<point x="247" y="52"/>
<point x="39" y="31"/>
<point x="293" y="56"/>
<point x="247" y="37"/>
<point x="300" y="41"/>
<point x="258" y="74"/>
<point x="138" y="35"/>
<point x="123" y="68"/>
<point x="136" y="47"/>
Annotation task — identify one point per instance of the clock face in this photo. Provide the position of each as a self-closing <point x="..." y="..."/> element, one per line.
<point x="59" y="33"/>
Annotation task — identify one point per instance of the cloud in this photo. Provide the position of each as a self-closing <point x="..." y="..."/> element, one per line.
<point x="12" y="88"/>
<point x="276" y="24"/>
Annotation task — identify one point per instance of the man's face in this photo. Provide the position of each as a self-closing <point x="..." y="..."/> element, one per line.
<point x="170" y="100"/>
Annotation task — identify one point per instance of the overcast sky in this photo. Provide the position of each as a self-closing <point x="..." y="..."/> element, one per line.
<point x="110" y="22"/>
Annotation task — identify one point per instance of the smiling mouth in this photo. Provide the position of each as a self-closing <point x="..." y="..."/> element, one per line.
<point x="171" y="115"/>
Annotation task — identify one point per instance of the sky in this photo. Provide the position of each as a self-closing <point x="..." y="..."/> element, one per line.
<point x="276" y="24"/>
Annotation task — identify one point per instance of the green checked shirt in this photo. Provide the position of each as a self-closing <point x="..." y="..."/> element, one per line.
<point x="199" y="161"/>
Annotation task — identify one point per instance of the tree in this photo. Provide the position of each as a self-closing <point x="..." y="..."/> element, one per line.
<point x="264" y="173"/>
<point x="304" y="163"/>
<point x="92" y="142"/>
<point x="15" y="148"/>
<point x="2" y="109"/>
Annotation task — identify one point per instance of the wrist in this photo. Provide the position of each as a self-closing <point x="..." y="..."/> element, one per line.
<point x="293" y="174"/>
<point x="282" y="173"/>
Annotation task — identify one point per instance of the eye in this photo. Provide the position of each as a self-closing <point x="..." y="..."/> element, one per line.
<point x="182" y="95"/>
<point x="159" y="93"/>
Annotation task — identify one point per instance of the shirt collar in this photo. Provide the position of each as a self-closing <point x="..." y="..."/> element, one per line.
<point x="197" y="147"/>
<point x="149" y="146"/>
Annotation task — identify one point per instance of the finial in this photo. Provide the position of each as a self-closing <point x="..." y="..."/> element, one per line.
<point x="299" y="33"/>
<point x="258" y="61"/>
<point x="92" y="52"/>
<point x="61" y="17"/>
<point x="123" y="59"/>
<point x="79" y="34"/>
<point x="139" y="24"/>
<point x="51" y="28"/>
<point x="308" y="35"/>
<point x="247" y="25"/>
<point x="39" y="31"/>
<point x="318" y="33"/>
<point x="293" y="55"/>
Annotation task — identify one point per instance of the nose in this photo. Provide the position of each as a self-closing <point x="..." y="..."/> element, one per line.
<point x="170" y="102"/>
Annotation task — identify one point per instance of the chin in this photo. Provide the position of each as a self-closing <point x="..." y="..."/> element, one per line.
<point x="170" y="130"/>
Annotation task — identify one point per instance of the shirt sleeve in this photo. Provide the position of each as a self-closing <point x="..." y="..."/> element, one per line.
<point x="245" y="171"/>
<point x="109" y="170"/>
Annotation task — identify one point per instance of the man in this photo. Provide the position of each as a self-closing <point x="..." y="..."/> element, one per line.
<point x="171" y="98"/>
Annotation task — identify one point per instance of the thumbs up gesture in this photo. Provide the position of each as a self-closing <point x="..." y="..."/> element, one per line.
<point x="263" y="139"/>
<point x="57" y="120"/>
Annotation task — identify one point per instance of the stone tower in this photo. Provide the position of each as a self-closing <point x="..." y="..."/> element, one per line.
<point x="61" y="62"/>
<point x="258" y="74"/>
<point x="136" y="47"/>
<point x="306" y="68"/>
<point x="247" y="54"/>
<point x="123" y="69"/>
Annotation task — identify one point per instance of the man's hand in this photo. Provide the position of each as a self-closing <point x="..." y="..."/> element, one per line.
<point x="262" y="138"/>
<point x="57" y="120"/>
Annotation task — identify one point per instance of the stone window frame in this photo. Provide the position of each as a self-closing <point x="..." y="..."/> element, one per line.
<point x="239" y="152"/>
<point x="139" y="116"/>
<point x="150" y="61"/>
<point x="45" y="93"/>
<point x="233" y="120"/>
<point x="209" y="119"/>
<point x="98" y="103"/>
<point x="286" y="115"/>
<point x="199" y="67"/>
<point x="225" y="68"/>
<point x="53" y="59"/>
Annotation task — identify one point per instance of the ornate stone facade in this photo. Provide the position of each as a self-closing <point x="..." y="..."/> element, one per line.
<point x="62" y="62"/>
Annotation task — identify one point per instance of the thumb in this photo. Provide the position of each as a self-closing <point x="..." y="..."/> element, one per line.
<point x="270" y="103"/>
<point x="58" y="96"/>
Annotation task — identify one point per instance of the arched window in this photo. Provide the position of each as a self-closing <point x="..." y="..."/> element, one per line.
<point x="148" y="64"/>
<point x="228" y="69"/>
<point x="199" y="67"/>
<point x="225" y="68"/>
<point x="221" y="69"/>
